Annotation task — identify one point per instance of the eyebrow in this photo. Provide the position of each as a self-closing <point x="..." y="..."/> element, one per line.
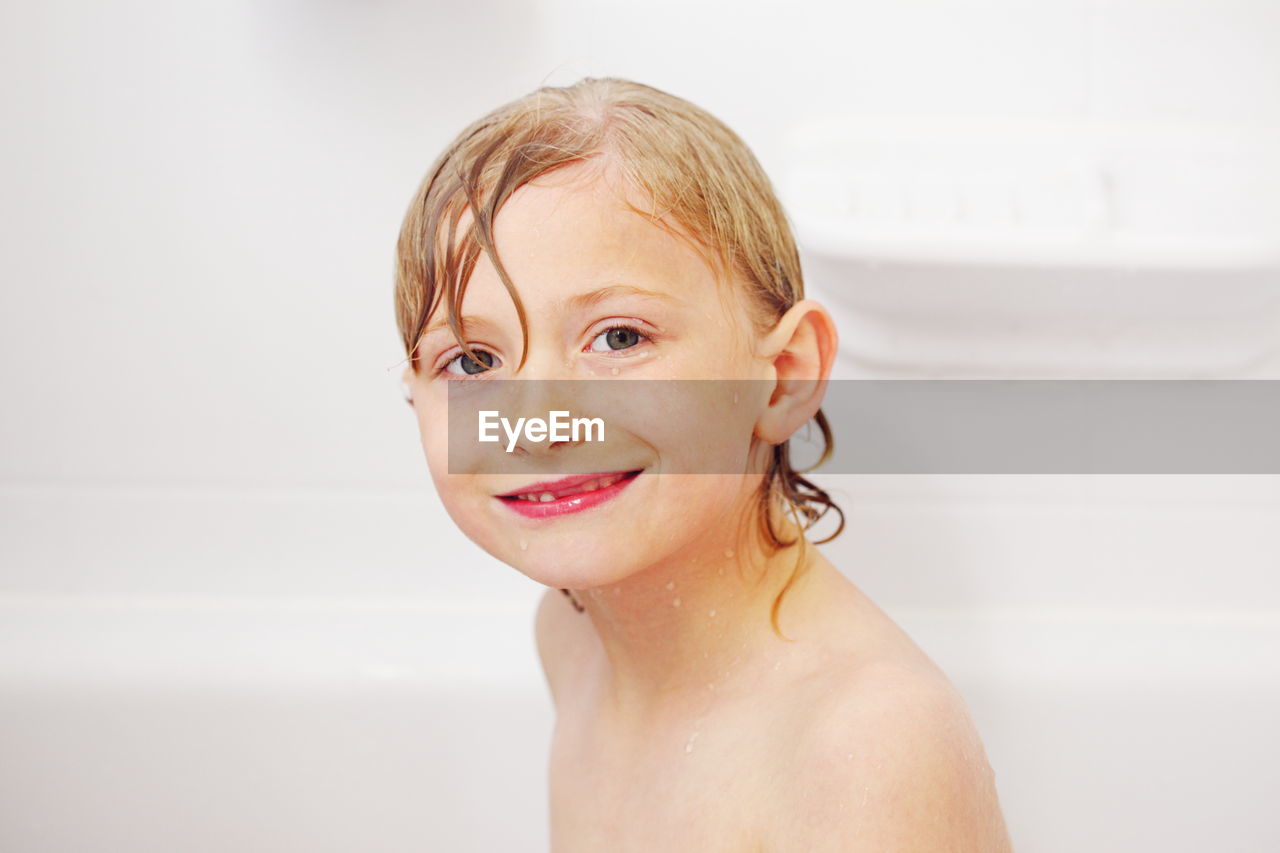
<point x="466" y="321"/>
<point x="595" y="297"/>
<point x="576" y="303"/>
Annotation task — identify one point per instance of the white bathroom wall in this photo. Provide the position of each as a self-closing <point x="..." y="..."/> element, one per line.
<point x="202" y="199"/>
<point x="197" y="337"/>
<point x="762" y="66"/>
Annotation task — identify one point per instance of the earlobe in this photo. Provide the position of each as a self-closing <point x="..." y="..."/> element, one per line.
<point x="802" y="346"/>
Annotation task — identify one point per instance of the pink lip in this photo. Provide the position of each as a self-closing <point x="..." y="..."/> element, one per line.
<point x="569" y="503"/>
<point x="554" y="485"/>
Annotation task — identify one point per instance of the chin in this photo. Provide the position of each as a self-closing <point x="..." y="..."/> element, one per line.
<point x="573" y="575"/>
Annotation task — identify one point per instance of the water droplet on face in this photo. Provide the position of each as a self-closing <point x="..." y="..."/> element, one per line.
<point x="614" y="371"/>
<point x="711" y="613"/>
<point x="711" y="685"/>
<point x="671" y="584"/>
<point x="675" y="603"/>
<point x="617" y="590"/>
<point x="777" y="664"/>
<point x="849" y="756"/>
<point x="524" y="546"/>
<point x="720" y="571"/>
<point x="688" y="747"/>
<point x="729" y="554"/>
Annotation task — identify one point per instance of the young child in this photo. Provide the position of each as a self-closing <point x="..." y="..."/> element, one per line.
<point x="719" y="685"/>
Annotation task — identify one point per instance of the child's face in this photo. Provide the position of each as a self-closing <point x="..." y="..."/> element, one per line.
<point x="578" y="256"/>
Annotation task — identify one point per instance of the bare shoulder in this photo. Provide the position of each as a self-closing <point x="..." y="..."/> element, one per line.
<point x="561" y="637"/>
<point x="891" y="760"/>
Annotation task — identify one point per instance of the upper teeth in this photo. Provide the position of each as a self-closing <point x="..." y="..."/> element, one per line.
<point x="588" y="486"/>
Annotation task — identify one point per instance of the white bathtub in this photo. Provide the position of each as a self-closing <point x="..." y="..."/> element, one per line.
<point x="171" y="725"/>
<point x="1116" y="638"/>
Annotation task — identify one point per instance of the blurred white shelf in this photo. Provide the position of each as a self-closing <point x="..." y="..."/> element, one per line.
<point x="1037" y="193"/>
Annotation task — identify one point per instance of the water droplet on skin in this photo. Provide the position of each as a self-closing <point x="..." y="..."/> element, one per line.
<point x="711" y="613"/>
<point x="617" y="590"/>
<point x="711" y="685"/>
<point x="614" y="371"/>
<point x="720" y="571"/>
<point x="675" y="603"/>
<point x="729" y="554"/>
<point x="735" y="398"/>
<point x="671" y="584"/>
<point x="849" y="756"/>
<point x="777" y="664"/>
<point x="688" y="747"/>
<point x="524" y="546"/>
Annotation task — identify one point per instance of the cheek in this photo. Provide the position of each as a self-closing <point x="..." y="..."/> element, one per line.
<point x="686" y="514"/>
<point x="697" y="427"/>
<point x="465" y="503"/>
<point x="695" y="498"/>
<point x="435" y="444"/>
<point x="452" y="488"/>
<point x="460" y="492"/>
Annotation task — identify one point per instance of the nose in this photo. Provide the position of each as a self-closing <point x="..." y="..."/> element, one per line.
<point x="543" y="363"/>
<point x="538" y="400"/>
<point x="527" y="448"/>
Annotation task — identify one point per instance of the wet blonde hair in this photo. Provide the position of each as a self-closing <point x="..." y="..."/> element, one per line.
<point x="691" y="166"/>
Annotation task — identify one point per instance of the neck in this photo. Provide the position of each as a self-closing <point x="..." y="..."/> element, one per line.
<point x="686" y="633"/>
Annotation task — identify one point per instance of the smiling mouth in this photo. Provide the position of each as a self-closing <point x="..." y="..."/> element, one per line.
<point x="568" y="487"/>
<point x="568" y="495"/>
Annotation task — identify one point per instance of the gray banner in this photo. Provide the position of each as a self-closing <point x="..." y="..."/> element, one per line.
<point x="879" y="426"/>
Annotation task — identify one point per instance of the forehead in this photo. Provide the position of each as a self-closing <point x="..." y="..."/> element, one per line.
<point x="586" y="221"/>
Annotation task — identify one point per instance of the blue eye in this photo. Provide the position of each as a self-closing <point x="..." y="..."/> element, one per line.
<point x="464" y="365"/>
<point x="619" y="337"/>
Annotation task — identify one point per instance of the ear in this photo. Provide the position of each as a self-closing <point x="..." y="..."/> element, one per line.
<point x="406" y="384"/>
<point x="801" y="349"/>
